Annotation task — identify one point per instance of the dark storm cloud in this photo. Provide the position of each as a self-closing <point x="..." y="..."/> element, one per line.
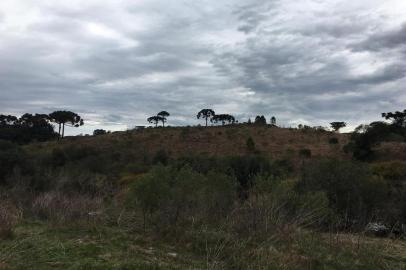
<point x="118" y="62"/>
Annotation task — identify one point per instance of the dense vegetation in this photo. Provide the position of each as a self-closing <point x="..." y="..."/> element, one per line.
<point x="113" y="202"/>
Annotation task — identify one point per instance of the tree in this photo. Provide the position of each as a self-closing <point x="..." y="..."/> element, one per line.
<point x="273" y="121"/>
<point x="27" y="128"/>
<point x="398" y="118"/>
<point x="97" y="132"/>
<point x="67" y="118"/>
<point x="223" y="118"/>
<point x="7" y="120"/>
<point x="163" y="115"/>
<point x="155" y="119"/>
<point x="337" y="125"/>
<point x="260" y="120"/>
<point x="206" y="114"/>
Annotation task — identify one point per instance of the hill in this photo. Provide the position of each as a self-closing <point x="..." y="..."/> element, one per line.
<point x="274" y="142"/>
<point x="224" y="197"/>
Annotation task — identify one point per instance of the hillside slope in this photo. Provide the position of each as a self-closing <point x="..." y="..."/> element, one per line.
<point x="219" y="141"/>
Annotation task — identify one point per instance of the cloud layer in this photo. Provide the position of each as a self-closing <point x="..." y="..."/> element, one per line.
<point x="117" y="62"/>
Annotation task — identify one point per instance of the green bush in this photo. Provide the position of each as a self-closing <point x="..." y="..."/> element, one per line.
<point x="353" y="192"/>
<point x="169" y="196"/>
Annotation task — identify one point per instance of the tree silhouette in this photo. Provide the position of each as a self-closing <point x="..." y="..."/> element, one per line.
<point x="260" y="120"/>
<point x="27" y="128"/>
<point x="206" y="114"/>
<point x="155" y="119"/>
<point x="273" y="121"/>
<point x="398" y="118"/>
<point x="337" y="125"/>
<point x="98" y="132"/>
<point x="65" y="118"/>
<point x="223" y="118"/>
<point x="163" y="115"/>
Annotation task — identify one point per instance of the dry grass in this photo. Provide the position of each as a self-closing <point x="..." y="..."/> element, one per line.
<point x="60" y="209"/>
<point x="216" y="141"/>
<point x="9" y="217"/>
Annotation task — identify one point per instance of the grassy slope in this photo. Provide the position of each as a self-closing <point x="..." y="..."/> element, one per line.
<point x="220" y="141"/>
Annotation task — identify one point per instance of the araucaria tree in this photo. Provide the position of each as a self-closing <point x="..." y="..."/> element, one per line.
<point x="65" y="118"/>
<point x="163" y="115"/>
<point x="206" y="114"/>
<point x="223" y="118"/>
<point x="155" y="120"/>
<point x="337" y="125"/>
<point x="260" y="120"/>
<point x="398" y="118"/>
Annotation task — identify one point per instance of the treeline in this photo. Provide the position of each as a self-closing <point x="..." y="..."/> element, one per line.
<point x="37" y="127"/>
<point x="366" y="137"/>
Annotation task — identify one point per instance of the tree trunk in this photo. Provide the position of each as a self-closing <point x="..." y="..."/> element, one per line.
<point x="59" y="131"/>
<point x="206" y="121"/>
<point x="156" y="123"/>
<point x="63" y="130"/>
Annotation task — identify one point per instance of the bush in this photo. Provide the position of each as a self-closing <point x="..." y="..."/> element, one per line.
<point x="353" y="192"/>
<point x="98" y="132"/>
<point x="160" y="157"/>
<point x="11" y="156"/>
<point x="250" y="145"/>
<point x="333" y="140"/>
<point x="168" y="196"/>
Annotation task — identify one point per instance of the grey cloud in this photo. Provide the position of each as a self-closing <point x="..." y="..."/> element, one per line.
<point x="391" y="39"/>
<point x="242" y="57"/>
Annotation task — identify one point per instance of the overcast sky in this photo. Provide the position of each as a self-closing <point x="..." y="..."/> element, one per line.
<point x="116" y="62"/>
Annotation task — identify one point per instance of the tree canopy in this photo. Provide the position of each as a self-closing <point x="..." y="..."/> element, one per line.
<point x="67" y="118"/>
<point x="223" y="118"/>
<point x="337" y="125"/>
<point x="206" y="114"/>
<point x="163" y="115"/>
<point x="155" y="119"/>
<point x="398" y="118"/>
<point x="26" y="129"/>
<point x="260" y="120"/>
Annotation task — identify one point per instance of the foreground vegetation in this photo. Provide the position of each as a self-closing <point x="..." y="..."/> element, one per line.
<point x="135" y="201"/>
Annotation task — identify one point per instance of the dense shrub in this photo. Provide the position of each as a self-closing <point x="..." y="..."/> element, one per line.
<point x="11" y="156"/>
<point x="353" y="192"/>
<point x="366" y="137"/>
<point x="169" y="195"/>
<point x="275" y="205"/>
